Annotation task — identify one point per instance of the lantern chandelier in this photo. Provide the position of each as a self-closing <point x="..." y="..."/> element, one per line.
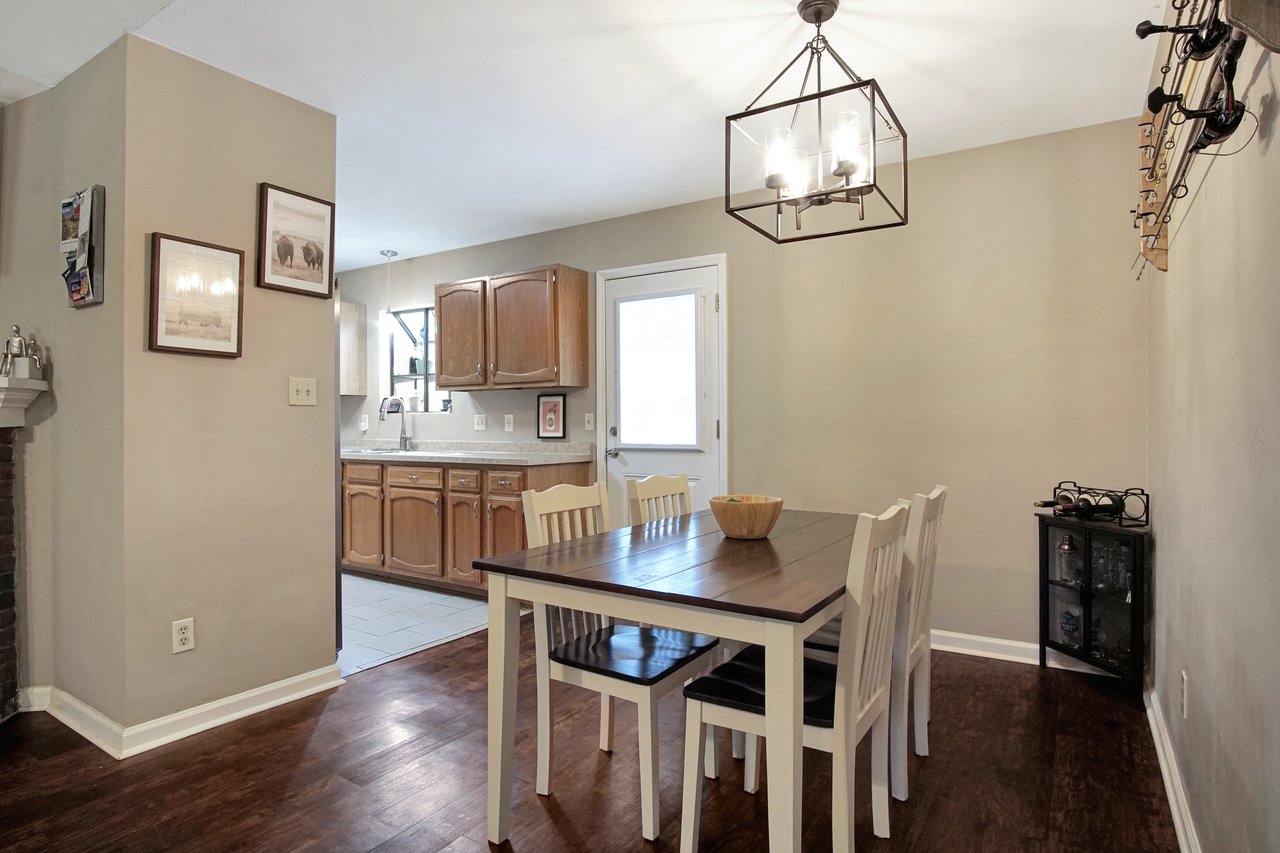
<point x="826" y="162"/>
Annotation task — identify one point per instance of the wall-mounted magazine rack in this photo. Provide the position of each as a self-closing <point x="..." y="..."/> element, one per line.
<point x="84" y="222"/>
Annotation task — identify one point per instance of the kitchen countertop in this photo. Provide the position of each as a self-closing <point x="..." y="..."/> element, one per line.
<point x="522" y="453"/>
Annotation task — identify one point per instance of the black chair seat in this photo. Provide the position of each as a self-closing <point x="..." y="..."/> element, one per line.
<point x="740" y="684"/>
<point x="639" y="655"/>
<point x="826" y="638"/>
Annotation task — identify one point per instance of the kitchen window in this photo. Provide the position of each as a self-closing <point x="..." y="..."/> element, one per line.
<point x="413" y="370"/>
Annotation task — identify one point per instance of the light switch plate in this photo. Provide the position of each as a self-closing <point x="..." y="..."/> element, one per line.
<point x="589" y="421"/>
<point x="302" y="392"/>
<point x="364" y="423"/>
<point x="481" y="422"/>
<point x="508" y="423"/>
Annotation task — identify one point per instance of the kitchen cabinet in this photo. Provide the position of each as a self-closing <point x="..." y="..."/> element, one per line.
<point x="460" y="339"/>
<point x="414" y="531"/>
<point x="353" y="373"/>
<point x="515" y="330"/>
<point x="465" y="539"/>
<point x="425" y="524"/>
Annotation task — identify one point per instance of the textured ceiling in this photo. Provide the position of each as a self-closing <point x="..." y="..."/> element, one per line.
<point x="460" y="123"/>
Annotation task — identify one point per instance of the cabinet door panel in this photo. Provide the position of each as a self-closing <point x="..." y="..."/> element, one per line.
<point x="465" y="539"/>
<point x="523" y="343"/>
<point x="362" y="525"/>
<point x="504" y="526"/>
<point x="413" y="532"/>
<point x="460" y="339"/>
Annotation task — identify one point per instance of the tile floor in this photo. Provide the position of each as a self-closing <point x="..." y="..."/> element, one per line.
<point x="384" y="621"/>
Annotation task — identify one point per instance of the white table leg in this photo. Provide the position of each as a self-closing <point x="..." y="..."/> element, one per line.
<point x="784" y="733"/>
<point x="504" y="648"/>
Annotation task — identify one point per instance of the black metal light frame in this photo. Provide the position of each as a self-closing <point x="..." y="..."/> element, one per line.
<point x="877" y="100"/>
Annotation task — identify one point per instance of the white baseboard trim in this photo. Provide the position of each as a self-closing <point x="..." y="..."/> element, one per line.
<point x="33" y="698"/>
<point x="996" y="648"/>
<point x="1188" y="840"/>
<point x="121" y="742"/>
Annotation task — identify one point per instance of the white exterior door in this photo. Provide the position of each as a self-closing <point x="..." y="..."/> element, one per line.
<point x="663" y="376"/>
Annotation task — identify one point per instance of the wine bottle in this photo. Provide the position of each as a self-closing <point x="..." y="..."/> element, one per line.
<point x="1106" y="506"/>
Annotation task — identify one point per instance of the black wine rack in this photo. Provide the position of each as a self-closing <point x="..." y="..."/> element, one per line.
<point x="1135" y="504"/>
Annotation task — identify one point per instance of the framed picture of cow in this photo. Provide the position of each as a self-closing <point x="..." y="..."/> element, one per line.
<point x="295" y="242"/>
<point x="197" y="297"/>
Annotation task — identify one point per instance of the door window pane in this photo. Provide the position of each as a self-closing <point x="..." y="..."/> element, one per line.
<point x="658" y="370"/>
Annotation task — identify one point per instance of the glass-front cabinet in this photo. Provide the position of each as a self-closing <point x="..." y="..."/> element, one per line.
<point x="1093" y="594"/>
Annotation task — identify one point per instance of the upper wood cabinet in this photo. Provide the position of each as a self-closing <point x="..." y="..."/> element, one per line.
<point x="353" y="375"/>
<point x="461" y="356"/>
<point x="517" y="330"/>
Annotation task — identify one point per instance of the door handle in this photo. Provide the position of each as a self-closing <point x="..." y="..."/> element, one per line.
<point x="612" y="452"/>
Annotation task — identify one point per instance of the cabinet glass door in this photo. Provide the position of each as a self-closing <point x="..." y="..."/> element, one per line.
<point x="1111" y="567"/>
<point x="1066" y="576"/>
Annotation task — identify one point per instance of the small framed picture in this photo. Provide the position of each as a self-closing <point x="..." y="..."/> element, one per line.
<point x="295" y="242"/>
<point x="551" y="416"/>
<point x="197" y="297"/>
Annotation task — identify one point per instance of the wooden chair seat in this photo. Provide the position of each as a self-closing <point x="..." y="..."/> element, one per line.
<point x="740" y="684"/>
<point x="639" y="655"/>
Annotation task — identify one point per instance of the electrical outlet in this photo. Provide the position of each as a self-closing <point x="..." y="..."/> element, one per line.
<point x="481" y="422"/>
<point x="184" y="635"/>
<point x="508" y="423"/>
<point x="302" y="392"/>
<point x="1184" y="694"/>
<point x="589" y="421"/>
<point x="364" y="423"/>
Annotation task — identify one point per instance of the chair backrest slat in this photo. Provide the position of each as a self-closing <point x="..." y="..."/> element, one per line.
<point x="561" y="514"/>
<point x="870" y="610"/>
<point x="658" y="497"/>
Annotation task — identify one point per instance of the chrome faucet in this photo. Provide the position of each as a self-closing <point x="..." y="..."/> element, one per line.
<point x="391" y="405"/>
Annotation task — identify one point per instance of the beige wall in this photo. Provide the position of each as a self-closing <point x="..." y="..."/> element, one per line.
<point x="1215" y="463"/>
<point x="229" y="492"/>
<point x="70" y="569"/>
<point x="162" y="485"/>
<point x="995" y="344"/>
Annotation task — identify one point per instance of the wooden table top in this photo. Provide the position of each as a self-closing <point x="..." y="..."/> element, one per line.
<point x="793" y="574"/>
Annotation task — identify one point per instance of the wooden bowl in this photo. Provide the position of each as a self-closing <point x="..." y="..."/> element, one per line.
<point x="746" y="516"/>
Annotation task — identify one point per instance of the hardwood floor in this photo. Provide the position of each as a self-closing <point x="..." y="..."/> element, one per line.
<point x="1023" y="759"/>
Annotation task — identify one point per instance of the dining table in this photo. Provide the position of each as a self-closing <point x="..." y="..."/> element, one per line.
<point x="683" y="573"/>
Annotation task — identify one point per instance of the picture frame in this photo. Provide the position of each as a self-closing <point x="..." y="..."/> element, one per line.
<point x="295" y="242"/>
<point x="197" y="297"/>
<point x="551" y="416"/>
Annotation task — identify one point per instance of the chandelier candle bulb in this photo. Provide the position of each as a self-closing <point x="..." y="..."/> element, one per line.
<point x="778" y="158"/>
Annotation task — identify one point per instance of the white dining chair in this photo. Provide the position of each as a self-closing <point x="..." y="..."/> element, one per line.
<point x="635" y="663"/>
<point x="658" y="498"/>
<point x="842" y="701"/>
<point x="912" y="659"/>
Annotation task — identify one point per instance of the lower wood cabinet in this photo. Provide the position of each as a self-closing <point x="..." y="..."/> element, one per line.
<point x="413" y="531"/>
<point x="464" y="539"/>
<point x="362" y="525"/>
<point x="426" y="523"/>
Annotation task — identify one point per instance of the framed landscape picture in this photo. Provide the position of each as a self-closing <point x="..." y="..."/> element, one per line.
<point x="197" y="297"/>
<point x="295" y="242"/>
<point x="551" y="416"/>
